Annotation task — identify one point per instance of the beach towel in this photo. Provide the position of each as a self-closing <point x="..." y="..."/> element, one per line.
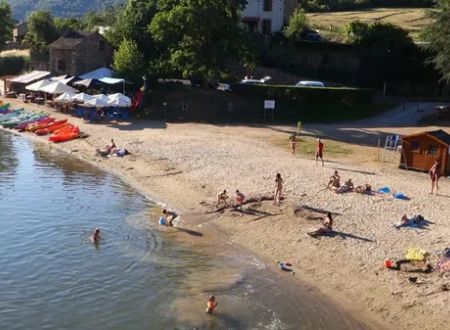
<point x="416" y="254"/>
<point x="384" y="190"/>
<point x="400" y="195"/>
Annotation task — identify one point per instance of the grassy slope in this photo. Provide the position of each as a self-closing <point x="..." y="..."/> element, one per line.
<point x="411" y="19"/>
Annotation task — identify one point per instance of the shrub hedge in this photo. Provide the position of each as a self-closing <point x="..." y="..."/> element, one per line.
<point x="318" y="95"/>
<point x="11" y="65"/>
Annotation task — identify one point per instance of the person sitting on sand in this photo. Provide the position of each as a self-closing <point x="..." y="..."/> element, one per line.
<point x="363" y="189"/>
<point x="222" y="198"/>
<point x="211" y="304"/>
<point x="335" y="181"/>
<point x="107" y="150"/>
<point x="95" y="237"/>
<point x="326" y="227"/>
<point x="170" y="216"/>
<point x="347" y="186"/>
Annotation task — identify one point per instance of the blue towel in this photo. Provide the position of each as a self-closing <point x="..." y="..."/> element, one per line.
<point x="384" y="190"/>
<point x="400" y="195"/>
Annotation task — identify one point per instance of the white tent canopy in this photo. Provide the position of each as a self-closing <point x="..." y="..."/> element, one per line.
<point x="35" y="87"/>
<point x="57" y="88"/>
<point x="102" y="97"/>
<point x="98" y="74"/>
<point x="30" y="77"/>
<point x="82" y="97"/>
<point x="119" y="103"/>
<point x="111" y="81"/>
<point x="119" y="100"/>
<point x="96" y="102"/>
<point x="65" y="97"/>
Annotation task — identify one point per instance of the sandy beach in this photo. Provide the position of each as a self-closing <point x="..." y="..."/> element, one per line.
<point x="185" y="165"/>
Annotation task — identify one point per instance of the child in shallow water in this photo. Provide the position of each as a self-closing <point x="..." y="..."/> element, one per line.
<point x="95" y="237"/>
<point x="211" y="304"/>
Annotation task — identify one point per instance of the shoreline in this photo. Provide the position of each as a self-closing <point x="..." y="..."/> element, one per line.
<point x="164" y="179"/>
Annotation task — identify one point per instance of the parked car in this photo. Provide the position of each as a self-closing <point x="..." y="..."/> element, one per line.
<point x="251" y="81"/>
<point x="308" y="83"/>
<point x="313" y="36"/>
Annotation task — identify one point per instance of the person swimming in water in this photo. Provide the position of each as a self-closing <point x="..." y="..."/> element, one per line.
<point x="211" y="304"/>
<point x="95" y="237"/>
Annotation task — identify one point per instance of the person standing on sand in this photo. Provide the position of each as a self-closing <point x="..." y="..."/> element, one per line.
<point x="239" y="200"/>
<point x="294" y="140"/>
<point x="278" y="189"/>
<point x="319" y="150"/>
<point x="211" y="304"/>
<point x="435" y="173"/>
<point x="170" y="214"/>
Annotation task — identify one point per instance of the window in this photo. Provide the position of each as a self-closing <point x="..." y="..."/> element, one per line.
<point x="101" y="45"/>
<point x="267" y="26"/>
<point x="61" y="65"/>
<point x="432" y="149"/>
<point x="267" y="5"/>
<point x="415" y="145"/>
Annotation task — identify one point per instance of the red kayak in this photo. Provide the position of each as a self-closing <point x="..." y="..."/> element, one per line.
<point x="40" y="124"/>
<point x="53" y="127"/>
<point x="65" y="135"/>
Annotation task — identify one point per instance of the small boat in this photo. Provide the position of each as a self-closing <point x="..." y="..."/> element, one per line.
<point x="21" y="127"/>
<point x="69" y="133"/>
<point x="37" y="126"/>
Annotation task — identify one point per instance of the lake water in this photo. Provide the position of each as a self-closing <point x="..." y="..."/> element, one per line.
<point x="138" y="277"/>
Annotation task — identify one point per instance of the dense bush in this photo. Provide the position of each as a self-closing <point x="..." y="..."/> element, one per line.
<point x="307" y="94"/>
<point x="12" y="65"/>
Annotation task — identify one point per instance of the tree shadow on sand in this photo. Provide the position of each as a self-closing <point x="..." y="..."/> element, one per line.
<point x="189" y="231"/>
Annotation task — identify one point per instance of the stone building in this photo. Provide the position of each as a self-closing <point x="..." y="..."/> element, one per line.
<point x="19" y="32"/>
<point x="79" y="52"/>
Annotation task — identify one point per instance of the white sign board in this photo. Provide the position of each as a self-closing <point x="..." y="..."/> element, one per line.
<point x="269" y="104"/>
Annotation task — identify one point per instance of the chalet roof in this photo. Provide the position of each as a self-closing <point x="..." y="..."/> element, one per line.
<point x="70" y="40"/>
<point x="440" y="135"/>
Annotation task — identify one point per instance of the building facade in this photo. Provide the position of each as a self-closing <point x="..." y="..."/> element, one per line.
<point x="267" y="16"/>
<point x="79" y="52"/>
<point x="19" y="32"/>
<point x="419" y="151"/>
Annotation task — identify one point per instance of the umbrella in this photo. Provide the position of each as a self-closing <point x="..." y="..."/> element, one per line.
<point x="96" y="102"/>
<point x="57" y="88"/>
<point x="102" y="97"/>
<point x="65" y="97"/>
<point x="38" y="85"/>
<point x="82" y="97"/>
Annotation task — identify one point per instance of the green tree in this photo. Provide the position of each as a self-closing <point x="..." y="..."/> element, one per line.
<point x="356" y="31"/>
<point x="41" y="31"/>
<point x="132" y="24"/>
<point x="297" y="27"/>
<point x="128" y="61"/>
<point x="437" y="34"/>
<point x="64" y="25"/>
<point x="200" y="37"/>
<point x="6" y="23"/>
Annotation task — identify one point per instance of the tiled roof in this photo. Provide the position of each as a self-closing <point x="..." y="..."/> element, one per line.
<point x="70" y="40"/>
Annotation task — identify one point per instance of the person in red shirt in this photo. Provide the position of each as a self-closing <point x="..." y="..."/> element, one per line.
<point x="319" y="151"/>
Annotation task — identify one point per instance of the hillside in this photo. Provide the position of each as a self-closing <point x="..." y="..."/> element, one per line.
<point x="410" y="19"/>
<point x="21" y="8"/>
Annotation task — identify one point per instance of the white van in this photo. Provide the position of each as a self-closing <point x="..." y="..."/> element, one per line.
<point x="307" y="83"/>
